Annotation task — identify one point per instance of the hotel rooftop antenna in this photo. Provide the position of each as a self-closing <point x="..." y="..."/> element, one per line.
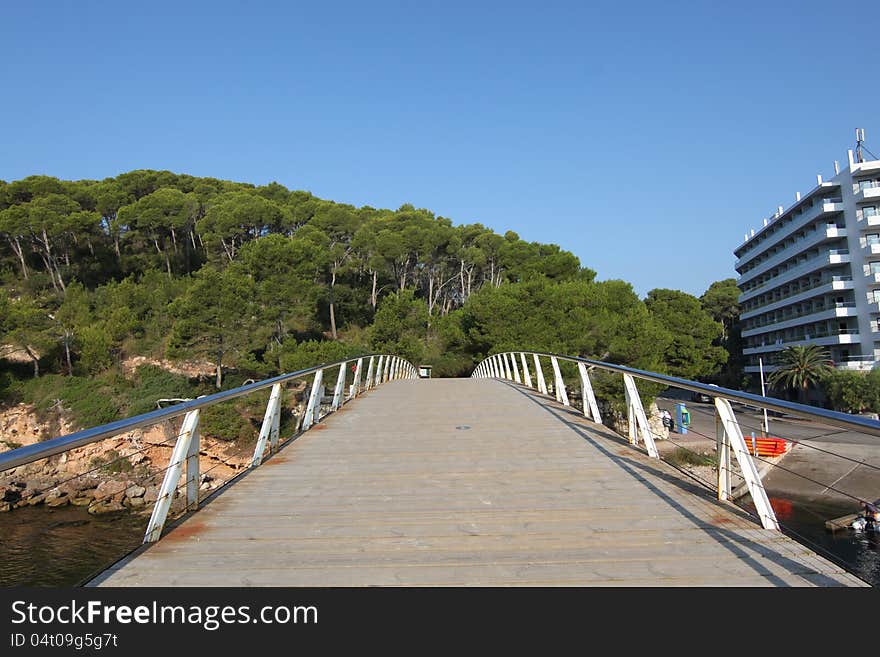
<point x="860" y="138"/>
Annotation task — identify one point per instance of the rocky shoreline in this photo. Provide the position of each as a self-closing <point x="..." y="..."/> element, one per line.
<point x="122" y="473"/>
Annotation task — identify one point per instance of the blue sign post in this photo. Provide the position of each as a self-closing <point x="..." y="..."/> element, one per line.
<point x="682" y="418"/>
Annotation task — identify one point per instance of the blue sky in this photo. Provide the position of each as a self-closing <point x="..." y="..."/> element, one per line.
<point x="646" y="138"/>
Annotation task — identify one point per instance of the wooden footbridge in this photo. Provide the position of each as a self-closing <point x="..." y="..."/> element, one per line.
<point x="466" y="482"/>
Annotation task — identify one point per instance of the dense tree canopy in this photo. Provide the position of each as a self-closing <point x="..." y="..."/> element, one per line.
<point x="262" y="279"/>
<point x="690" y="353"/>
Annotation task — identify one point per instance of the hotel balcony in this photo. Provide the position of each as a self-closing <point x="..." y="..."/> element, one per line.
<point x="822" y="234"/>
<point x="846" y="336"/>
<point x="853" y="364"/>
<point x="825" y="287"/>
<point x="827" y="259"/>
<point x="846" y="309"/>
<point x="824" y="209"/>
<point x="868" y="194"/>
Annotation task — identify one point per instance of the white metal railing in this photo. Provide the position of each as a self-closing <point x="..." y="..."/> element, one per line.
<point x="729" y="435"/>
<point x="380" y="368"/>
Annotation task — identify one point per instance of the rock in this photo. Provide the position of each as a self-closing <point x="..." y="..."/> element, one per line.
<point x="136" y="502"/>
<point x="63" y="500"/>
<point x="137" y="459"/>
<point x="110" y="489"/>
<point x="655" y="422"/>
<point x="81" y="501"/>
<point x="205" y="486"/>
<point x="77" y="485"/>
<point x="36" y="499"/>
<point x="5" y="506"/>
<point x="53" y="495"/>
<point x="105" y="507"/>
<point x="151" y="494"/>
<point x="135" y="491"/>
<point x="10" y="495"/>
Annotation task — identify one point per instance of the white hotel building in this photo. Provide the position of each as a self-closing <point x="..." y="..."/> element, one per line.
<point x="811" y="274"/>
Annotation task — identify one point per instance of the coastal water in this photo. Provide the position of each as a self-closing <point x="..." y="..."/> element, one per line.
<point x="63" y="547"/>
<point x="804" y="521"/>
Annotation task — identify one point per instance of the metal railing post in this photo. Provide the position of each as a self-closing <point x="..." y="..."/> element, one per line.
<point x="527" y="378"/>
<point x="731" y="428"/>
<point x="591" y="407"/>
<point x="269" y="428"/>
<point x="722" y="449"/>
<point x="539" y="375"/>
<point x="181" y="453"/>
<point x="561" y="394"/>
<point x="514" y="368"/>
<point x="314" y="407"/>
<point x="370" y="373"/>
<point x="356" y="384"/>
<point x="379" y="366"/>
<point x="385" y="371"/>
<point x="496" y="367"/>
<point x="192" y="470"/>
<point x="339" y="389"/>
<point x="638" y="421"/>
<point x="506" y="364"/>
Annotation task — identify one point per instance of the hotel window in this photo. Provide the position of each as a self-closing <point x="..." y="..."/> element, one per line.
<point x="869" y="211"/>
<point x="873" y="238"/>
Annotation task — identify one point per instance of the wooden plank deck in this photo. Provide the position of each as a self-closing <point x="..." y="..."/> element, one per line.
<point x="460" y="482"/>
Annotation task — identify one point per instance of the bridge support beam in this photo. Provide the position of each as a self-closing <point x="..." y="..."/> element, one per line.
<point x="270" y="427"/>
<point x="185" y="449"/>
<point x="559" y="384"/>
<point x="525" y="366"/>
<point x="591" y="407"/>
<point x="637" y="420"/>
<point x="731" y="434"/>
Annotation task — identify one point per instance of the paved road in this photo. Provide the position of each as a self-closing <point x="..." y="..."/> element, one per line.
<point x="827" y="466"/>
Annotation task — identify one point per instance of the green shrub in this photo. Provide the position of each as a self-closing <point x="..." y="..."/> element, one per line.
<point x="227" y="422"/>
<point x="682" y="457"/>
<point x="111" y="463"/>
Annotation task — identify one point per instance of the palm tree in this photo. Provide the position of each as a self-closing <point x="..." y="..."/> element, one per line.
<point x="800" y="367"/>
